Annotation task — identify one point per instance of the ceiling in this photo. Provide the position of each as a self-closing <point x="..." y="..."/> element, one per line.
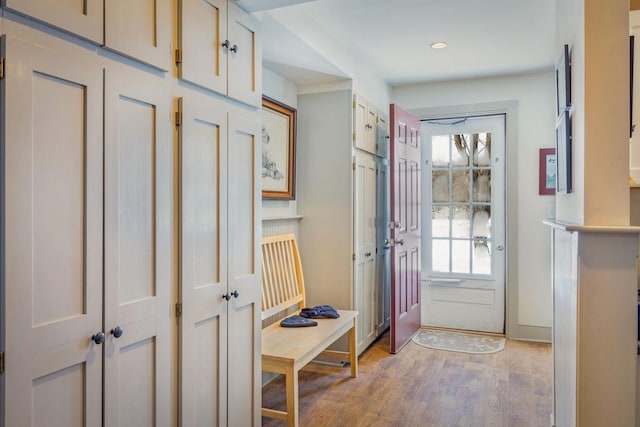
<point x="485" y="37"/>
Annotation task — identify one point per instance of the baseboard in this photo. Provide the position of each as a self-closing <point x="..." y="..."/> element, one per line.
<point x="533" y="333"/>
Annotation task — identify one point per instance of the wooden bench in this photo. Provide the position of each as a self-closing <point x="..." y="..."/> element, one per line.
<point x="287" y="350"/>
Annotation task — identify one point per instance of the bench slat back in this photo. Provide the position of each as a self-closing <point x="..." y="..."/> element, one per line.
<point x="282" y="279"/>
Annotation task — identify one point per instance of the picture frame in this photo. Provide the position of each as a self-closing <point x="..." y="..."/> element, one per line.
<point x="278" y="150"/>
<point x="547" y="175"/>
<point x="563" y="81"/>
<point x="564" y="154"/>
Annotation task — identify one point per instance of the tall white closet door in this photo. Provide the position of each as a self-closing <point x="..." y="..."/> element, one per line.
<point x="203" y="263"/>
<point x="52" y="214"/>
<point x="365" y="244"/>
<point x="83" y="18"/>
<point x="202" y="33"/>
<point x="140" y="29"/>
<point x="138" y="180"/>
<point x="244" y="57"/>
<point x="244" y="392"/>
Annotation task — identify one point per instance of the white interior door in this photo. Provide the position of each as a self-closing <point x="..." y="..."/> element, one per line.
<point x="138" y="206"/>
<point x="203" y="263"/>
<point x="464" y="223"/>
<point x="52" y="224"/>
<point x="365" y="255"/>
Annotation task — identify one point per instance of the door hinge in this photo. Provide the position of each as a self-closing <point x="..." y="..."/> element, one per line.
<point x="353" y="165"/>
<point x="1" y="68"/>
<point x="178" y="309"/>
<point x="354" y="136"/>
<point x="178" y="56"/>
<point x="178" y="118"/>
<point x="1" y="362"/>
<point x="353" y="257"/>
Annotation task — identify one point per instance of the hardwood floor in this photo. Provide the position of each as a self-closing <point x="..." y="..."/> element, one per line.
<point x="424" y="387"/>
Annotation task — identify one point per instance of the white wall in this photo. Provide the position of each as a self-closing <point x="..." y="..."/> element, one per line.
<point x="534" y="97"/>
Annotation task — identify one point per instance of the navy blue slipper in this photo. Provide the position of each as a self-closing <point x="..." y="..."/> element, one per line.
<point x="297" y="322"/>
<point x="320" y="312"/>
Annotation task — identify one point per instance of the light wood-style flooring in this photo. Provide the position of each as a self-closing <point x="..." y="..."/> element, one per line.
<point x="425" y="387"/>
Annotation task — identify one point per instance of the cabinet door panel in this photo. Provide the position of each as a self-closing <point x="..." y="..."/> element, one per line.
<point x="202" y="32"/>
<point x="81" y="17"/>
<point x="140" y="29"/>
<point x="203" y="262"/>
<point x="138" y="179"/>
<point x="245" y="83"/>
<point x="52" y="227"/>
<point x="244" y="272"/>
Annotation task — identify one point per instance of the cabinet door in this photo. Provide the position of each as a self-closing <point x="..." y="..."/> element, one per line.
<point x="244" y="58"/>
<point x="52" y="237"/>
<point x="137" y="280"/>
<point x="202" y="34"/>
<point x="382" y="136"/>
<point x="140" y="29"/>
<point x="203" y="263"/>
<point x="365" y="241"/>
<point x="383" y="252"/>
<point x="83" y="18"/>
<point x="364" y="125"/>
<point x="244" y="386"/>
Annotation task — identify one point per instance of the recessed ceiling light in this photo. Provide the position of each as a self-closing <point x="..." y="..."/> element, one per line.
<point x="438" y="45"/>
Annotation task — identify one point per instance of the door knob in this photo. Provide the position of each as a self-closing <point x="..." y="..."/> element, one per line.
<point x="390" y="242"/>
<point x="117" y="331"/>
<point x="98" y="338"/>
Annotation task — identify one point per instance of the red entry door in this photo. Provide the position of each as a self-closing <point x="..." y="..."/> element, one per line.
<point x="405" y="227"/>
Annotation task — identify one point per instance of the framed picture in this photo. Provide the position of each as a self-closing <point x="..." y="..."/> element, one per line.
<point x="563" y="153"/>
<point x="563" y="82"/>
<point x="278" y="150"/>
<point x="547" y="171"/>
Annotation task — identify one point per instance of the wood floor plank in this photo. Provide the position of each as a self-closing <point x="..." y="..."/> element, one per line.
<point x="425" y="387"/>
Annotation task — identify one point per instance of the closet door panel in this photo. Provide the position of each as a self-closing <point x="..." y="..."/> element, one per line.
<point x="140" y="29"/>
<point x="244" y="272"/>
<point x="81" y="17"/>
<point x="203" y="262"/>
<point x="138" y="179"/>
<point x="52" y="227"/>
<point x="202" y="32"/>
<point x="245" y="83"/>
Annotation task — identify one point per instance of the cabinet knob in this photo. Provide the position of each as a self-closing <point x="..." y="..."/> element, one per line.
<point x="226" y="296"/>
<point x="235" y="293"/>
<point x="98" y="338"/>
<point x="117" y="331"/>
<point x="234" y="49"/>
<point x="226" y="44"/>
<point x="368" y="254"/>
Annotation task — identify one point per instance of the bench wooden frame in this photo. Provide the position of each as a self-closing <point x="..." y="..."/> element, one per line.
<point x="287" y="350"/>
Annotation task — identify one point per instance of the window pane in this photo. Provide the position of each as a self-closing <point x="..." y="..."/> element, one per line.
<point x="440" y="186"/>
<point x="460" y="152"/>
<point x="440" y="221"/>
<point x="481" y="256"/>
<point x="440" y="255"/>
<point x="482" y="185"/>
<point x="461" y="185"/>
<point x="460" y="256"/>
<point x="440" y="151"/>
<point x="461" y="222"/>
<point x="482" y="149"/>
<point x="482" y="221"/>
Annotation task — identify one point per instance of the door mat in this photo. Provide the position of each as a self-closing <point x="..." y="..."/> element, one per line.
<point x="461" y="342"/>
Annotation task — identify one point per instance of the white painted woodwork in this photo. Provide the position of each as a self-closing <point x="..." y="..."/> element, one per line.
<point x="383" y="253"/>
<point x="207" y="60"/>
<point x="84" y="18"/>
<point x="140" y="29"/>
<point x="594" y="325"/>
<point x="137" y="278"/>
<point x="53" y="225"/>
<point x="364" y="124"/>
<point x="203" y="262"/>
<point x="365" y="248"/>
<point x="244" y="271"/>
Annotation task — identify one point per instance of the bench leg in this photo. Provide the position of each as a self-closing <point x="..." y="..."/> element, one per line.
<point x="353" y="350"/>
<point x="291" y="377"/>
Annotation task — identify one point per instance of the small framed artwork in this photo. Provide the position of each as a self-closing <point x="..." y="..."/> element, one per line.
<point x="278" y="150"/>
<point x="563" y="154"/>
<point x="547" y="171"/>
<point x="563" y="82"/>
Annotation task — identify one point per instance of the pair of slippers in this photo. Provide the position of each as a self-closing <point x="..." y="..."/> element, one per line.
<point x="320" y="312"/>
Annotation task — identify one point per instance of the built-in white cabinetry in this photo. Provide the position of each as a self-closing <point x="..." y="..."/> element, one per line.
<point x="129" y="228"/>
<point x="340" y="197"/>
<point x="364" y="124"/>
<point x="219" y="50"/>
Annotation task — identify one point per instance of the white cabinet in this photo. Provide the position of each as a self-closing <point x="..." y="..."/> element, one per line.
<point x="364" y="124"/>
<point x="219" y="285"/>
<point x="219" y="49"/>
<point x="339" y="236"/>
<point x="73" y="311"/>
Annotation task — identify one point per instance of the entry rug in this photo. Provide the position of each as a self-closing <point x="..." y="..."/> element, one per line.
<point x="459" y="341"/>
